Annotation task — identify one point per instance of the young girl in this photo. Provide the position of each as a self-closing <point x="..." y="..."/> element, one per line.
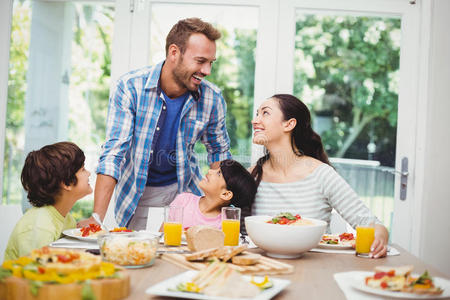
<point x="55" y="178"/>
<point x="231" y="184"/>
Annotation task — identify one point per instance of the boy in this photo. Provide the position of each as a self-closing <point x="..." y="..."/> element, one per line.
<point x="55" y="178"/>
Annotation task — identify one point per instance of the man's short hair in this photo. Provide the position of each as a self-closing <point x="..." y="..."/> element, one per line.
<point x="47" y="168"/>
<point x="182" y="30"/>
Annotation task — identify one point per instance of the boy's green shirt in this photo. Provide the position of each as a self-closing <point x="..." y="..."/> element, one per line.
<point x="38" y="227"/>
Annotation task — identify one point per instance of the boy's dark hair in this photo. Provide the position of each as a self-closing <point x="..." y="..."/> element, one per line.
<point x="240" y="182"/>
<point x="45" y="169"/>
<point x="180" y="32"/>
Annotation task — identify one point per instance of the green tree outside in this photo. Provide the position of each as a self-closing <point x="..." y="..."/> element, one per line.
<point x="347" y="69"/>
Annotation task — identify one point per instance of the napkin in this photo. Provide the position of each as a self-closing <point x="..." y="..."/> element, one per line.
<point x="344" y="281"/>
<point x="66" y="242"/>
<point x="391" y="251"/>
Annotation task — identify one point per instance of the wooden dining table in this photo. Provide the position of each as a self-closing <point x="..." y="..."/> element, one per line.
<point x="312" y="277"/>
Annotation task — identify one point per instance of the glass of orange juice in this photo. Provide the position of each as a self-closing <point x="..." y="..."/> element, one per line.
<point x="231" y="217"/>
<point x="365" y="234"/>
<point x="173" y="220"/>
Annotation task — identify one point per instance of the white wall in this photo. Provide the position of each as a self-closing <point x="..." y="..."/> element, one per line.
<point x="435" y="205"/>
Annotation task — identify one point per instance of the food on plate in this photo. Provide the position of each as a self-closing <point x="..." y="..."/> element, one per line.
<point x="399" y="279"/>
<point x="289" y="219"/>
<point x="219" y="279"/>
<point x="54" y="273"/>
<point x="223" y="253"/>
<point x="129" y="249"/>
<point x="346" y="236"/>
<point x="121" y="229"/>
<point x="344" y="239"/>
<point x="201" y="237"/>
<point x="201" y="255"/>
<point x="91" y="230"/>
<point x="246" y="259"/>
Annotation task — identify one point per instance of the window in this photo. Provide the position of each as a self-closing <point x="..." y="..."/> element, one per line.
<point x="58" y="84"/>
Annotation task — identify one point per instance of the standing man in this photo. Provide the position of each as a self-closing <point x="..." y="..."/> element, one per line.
<point x="155" y="116"/>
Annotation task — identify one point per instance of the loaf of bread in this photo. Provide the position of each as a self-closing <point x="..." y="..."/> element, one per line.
<point x="202" y="237"/>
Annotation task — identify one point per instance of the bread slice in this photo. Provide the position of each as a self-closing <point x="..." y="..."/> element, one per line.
<point x="233" y="252"/>
<point x="246" y="259"/>
<point x="202" y="237"/>
<point x="201" y="255"/>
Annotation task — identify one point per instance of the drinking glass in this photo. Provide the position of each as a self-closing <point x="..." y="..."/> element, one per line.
<point x="231" y="217"/>
<point x="173" y="220"/>
<point x="365" y="234"/>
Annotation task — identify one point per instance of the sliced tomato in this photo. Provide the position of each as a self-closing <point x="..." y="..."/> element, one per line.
<point x="379" y="275"/>
<point x="64" y="259"/>
<point x="383" y="284"/>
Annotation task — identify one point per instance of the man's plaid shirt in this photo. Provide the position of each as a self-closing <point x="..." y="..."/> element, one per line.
<point x="135" y="107"/>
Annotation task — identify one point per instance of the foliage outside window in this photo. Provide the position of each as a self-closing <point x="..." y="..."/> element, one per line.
<point x="346" y="69"/>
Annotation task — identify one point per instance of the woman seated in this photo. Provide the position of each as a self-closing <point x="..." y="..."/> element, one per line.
<point x="295" y="174"/>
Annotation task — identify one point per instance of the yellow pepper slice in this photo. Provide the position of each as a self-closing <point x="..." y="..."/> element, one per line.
<point x="260" y="284"/>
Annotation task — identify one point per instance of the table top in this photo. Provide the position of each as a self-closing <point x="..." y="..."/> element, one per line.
<point x="312" y="277"/>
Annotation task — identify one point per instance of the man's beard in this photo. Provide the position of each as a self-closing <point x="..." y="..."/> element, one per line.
<point x="182" y="77"/>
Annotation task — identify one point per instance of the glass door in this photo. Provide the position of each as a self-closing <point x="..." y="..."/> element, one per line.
<point x="347" y="62"/>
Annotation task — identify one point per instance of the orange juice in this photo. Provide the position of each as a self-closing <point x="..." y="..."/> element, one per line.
<point x="231" y="230"/>
<point x="364" y="239"/>
<point x="172" y="234"/>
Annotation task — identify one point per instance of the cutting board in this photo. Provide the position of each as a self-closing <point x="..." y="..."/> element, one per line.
<point x="266" y="266"/>
<point x="14" y="288"/>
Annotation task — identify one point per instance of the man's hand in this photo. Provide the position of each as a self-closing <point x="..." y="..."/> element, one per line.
<point x="86" y="222"/>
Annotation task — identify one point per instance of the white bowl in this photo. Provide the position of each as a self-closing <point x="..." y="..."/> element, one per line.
<point x="284" y="241"/>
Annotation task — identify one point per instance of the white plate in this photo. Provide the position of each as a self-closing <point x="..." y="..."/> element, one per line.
<point x="358" y="282"/>
<point x="76" y="233"/>
<point x="162" y="288"/>
<point x="345" y="245"/>
<point x="335" y="246"/>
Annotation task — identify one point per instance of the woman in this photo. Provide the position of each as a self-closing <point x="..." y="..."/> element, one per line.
<point x="295" y="174"/>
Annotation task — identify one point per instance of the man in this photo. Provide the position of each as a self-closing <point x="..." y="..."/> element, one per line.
<point x="155" y="117"/>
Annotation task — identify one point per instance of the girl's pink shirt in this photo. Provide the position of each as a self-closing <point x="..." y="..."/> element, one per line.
<point x="192" y="214"/>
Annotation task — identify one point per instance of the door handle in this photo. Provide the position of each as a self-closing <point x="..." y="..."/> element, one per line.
<point x="403" y="177"/>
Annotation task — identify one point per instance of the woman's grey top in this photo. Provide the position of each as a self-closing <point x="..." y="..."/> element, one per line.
<point x="313" y="196"/>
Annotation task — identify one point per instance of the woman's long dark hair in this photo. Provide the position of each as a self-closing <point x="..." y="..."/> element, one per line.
<point x="304" y="140"/>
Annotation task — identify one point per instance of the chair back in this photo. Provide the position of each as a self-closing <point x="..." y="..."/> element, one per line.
<point x="155" y="218"/>
<point x="10" y="215"/>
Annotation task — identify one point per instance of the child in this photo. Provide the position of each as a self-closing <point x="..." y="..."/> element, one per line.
<point x="55" y="178"/>
<point x="231" y="184"/>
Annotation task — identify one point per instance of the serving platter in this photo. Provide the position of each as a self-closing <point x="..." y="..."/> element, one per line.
<point x="265" y="266"/>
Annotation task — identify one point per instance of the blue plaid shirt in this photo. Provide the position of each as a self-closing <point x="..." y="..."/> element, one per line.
<point x="134" y="109"/>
